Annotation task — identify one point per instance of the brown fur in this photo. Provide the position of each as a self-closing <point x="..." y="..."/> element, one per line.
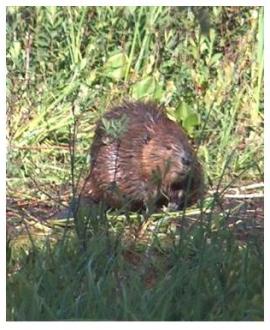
<point x="143" y="166"/>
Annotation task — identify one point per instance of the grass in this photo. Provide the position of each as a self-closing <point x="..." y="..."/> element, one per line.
<point x="66" y="65"/>
<point x="206" y="281"/>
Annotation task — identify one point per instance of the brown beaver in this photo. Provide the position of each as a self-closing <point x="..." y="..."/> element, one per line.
<point x="141" y="159"/>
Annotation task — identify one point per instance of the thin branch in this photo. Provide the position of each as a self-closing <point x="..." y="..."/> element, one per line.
<point x="253" y="186"/>
<point x="245" y="196"/>
<point x="27" y="56"/>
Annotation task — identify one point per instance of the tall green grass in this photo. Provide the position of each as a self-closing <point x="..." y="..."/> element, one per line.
<point x="207" y="277"/>
<point x="88" y="58"/>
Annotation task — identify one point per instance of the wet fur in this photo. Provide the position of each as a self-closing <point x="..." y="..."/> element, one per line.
<point x="142" y="166"/>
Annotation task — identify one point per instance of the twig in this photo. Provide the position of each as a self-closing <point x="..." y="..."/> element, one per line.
<point x="253" y="186"/>
<point x="27" y="56"/>
<point x="60" y="147"/>
<point x="57" y="200"/>
<point x="245" y="196"/>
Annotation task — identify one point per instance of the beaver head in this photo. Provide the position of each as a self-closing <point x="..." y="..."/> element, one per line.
<point x="167" y="155"/>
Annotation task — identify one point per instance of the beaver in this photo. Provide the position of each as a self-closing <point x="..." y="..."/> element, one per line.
<point x="140" y="159"/>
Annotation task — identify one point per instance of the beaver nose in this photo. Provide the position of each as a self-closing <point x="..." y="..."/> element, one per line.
<point x="186" y="159"/>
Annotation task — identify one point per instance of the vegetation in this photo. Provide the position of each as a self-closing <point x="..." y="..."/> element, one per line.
<point x="66" y="66"/>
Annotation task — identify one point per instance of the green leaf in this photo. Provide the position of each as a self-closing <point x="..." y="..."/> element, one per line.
<point x="83" y="63"/>
<point x="158" y="92"/>
<point x="182" y="111"/>
<point x="116" y="74"/>
<point x="116" y="61"/>
<point x="15" y="51"/>
<point x="115" y="66"/>
<point x="187" y="116"/>
<point x="191" y="121"/>
<point x="130" y="10"/>
<point x="212" y="35"/>
<point x="148" y="87"/>
<point x="215" y="58"/>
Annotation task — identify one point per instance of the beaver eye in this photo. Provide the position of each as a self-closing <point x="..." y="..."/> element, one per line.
<point x="146" y="138"/>
<point x="168" y="147"/>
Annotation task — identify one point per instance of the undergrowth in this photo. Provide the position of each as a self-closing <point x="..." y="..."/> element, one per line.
<point x="207" y="275"/>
